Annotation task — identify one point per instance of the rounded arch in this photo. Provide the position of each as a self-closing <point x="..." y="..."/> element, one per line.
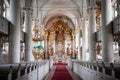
<point x="48" y="24"/>
<point x="56" y="13"/>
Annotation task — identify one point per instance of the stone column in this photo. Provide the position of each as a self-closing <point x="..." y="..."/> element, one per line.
<point x="79" y="56"/>
<point x="107" y="38"/>
<point x="22" y="52"/>
<point x="64" y="48"/>
<point x="54" y="48"/>
<point x="28" y="37"/>
<point x="45" y="47"/>
<point x="78" y="41"/>
<point x="73" y="44"/>
<point x="118" y="7"/>
<point x="92" y="29"/>
<point x="14" y="35"/>
<point x="48" y="48"/>
<point x="1" y="7"/>
<point x="84" y="29"/>
<point x="0" y="53"/>
<point x="7" y="13"/>
<point x="72" y="47"/>
<point x="81" y="44"/>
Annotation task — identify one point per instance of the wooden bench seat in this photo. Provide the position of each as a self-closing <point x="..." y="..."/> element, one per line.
<point x="5" y="70"/>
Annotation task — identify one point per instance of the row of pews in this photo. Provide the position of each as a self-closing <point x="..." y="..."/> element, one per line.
<point x="24" y="71"/>
<point x="96" y="70"/>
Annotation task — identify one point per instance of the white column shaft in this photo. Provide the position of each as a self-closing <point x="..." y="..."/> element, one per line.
<point x="118" y="7"/>
<point x="45" y="46"/>
<point x="14" y="37"/>
<point x="78" y="42"/>
<point x="0" y="53"/>
<point x="107" y="38"/>
<point x="92" y="29"/>
<point x="79" y="46"/>
<point x="2" y="8"/>
<point x="28" y="38"/>
<point x="84" y="28"/>
<point x="73" y="46"/>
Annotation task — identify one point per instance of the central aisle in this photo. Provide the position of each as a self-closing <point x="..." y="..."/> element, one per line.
<point x="61" y="73"/>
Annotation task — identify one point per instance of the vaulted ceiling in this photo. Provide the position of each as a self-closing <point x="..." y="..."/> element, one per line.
<point x="46" y="9"/>
<point x="74" y="9"/>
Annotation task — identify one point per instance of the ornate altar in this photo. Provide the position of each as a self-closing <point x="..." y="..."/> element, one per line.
<point x="59" y="34"/>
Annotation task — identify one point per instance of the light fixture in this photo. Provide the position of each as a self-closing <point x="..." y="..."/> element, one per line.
<point x="38" y="31"/>
<point x="38" y="34"/>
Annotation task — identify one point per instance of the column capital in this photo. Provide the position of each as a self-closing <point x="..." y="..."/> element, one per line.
<point x="28" y="10"/>
<point x="92" y="8"/>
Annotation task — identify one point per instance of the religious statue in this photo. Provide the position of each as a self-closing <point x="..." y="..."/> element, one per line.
<point x="51" y="51"/>
<point x="68" y="51"/>
<point x="98" y="49"/>
<point x="76" y="54"/>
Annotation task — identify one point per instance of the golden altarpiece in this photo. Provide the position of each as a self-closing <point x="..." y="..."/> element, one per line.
<point x="59" y="38"/>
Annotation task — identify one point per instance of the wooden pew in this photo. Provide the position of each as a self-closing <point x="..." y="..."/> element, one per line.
<point x="11" y="69"/>
<point x="4" y="72"/>
<point x="116" y="68"/>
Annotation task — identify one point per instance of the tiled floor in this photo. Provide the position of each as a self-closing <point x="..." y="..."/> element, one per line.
<point x="50" y="74"/>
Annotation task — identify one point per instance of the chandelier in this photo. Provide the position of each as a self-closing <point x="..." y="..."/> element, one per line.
<point x="38" y="34"/>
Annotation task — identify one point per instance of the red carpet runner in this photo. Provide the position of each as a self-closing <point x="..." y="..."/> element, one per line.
<point x="61" y="73"/>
